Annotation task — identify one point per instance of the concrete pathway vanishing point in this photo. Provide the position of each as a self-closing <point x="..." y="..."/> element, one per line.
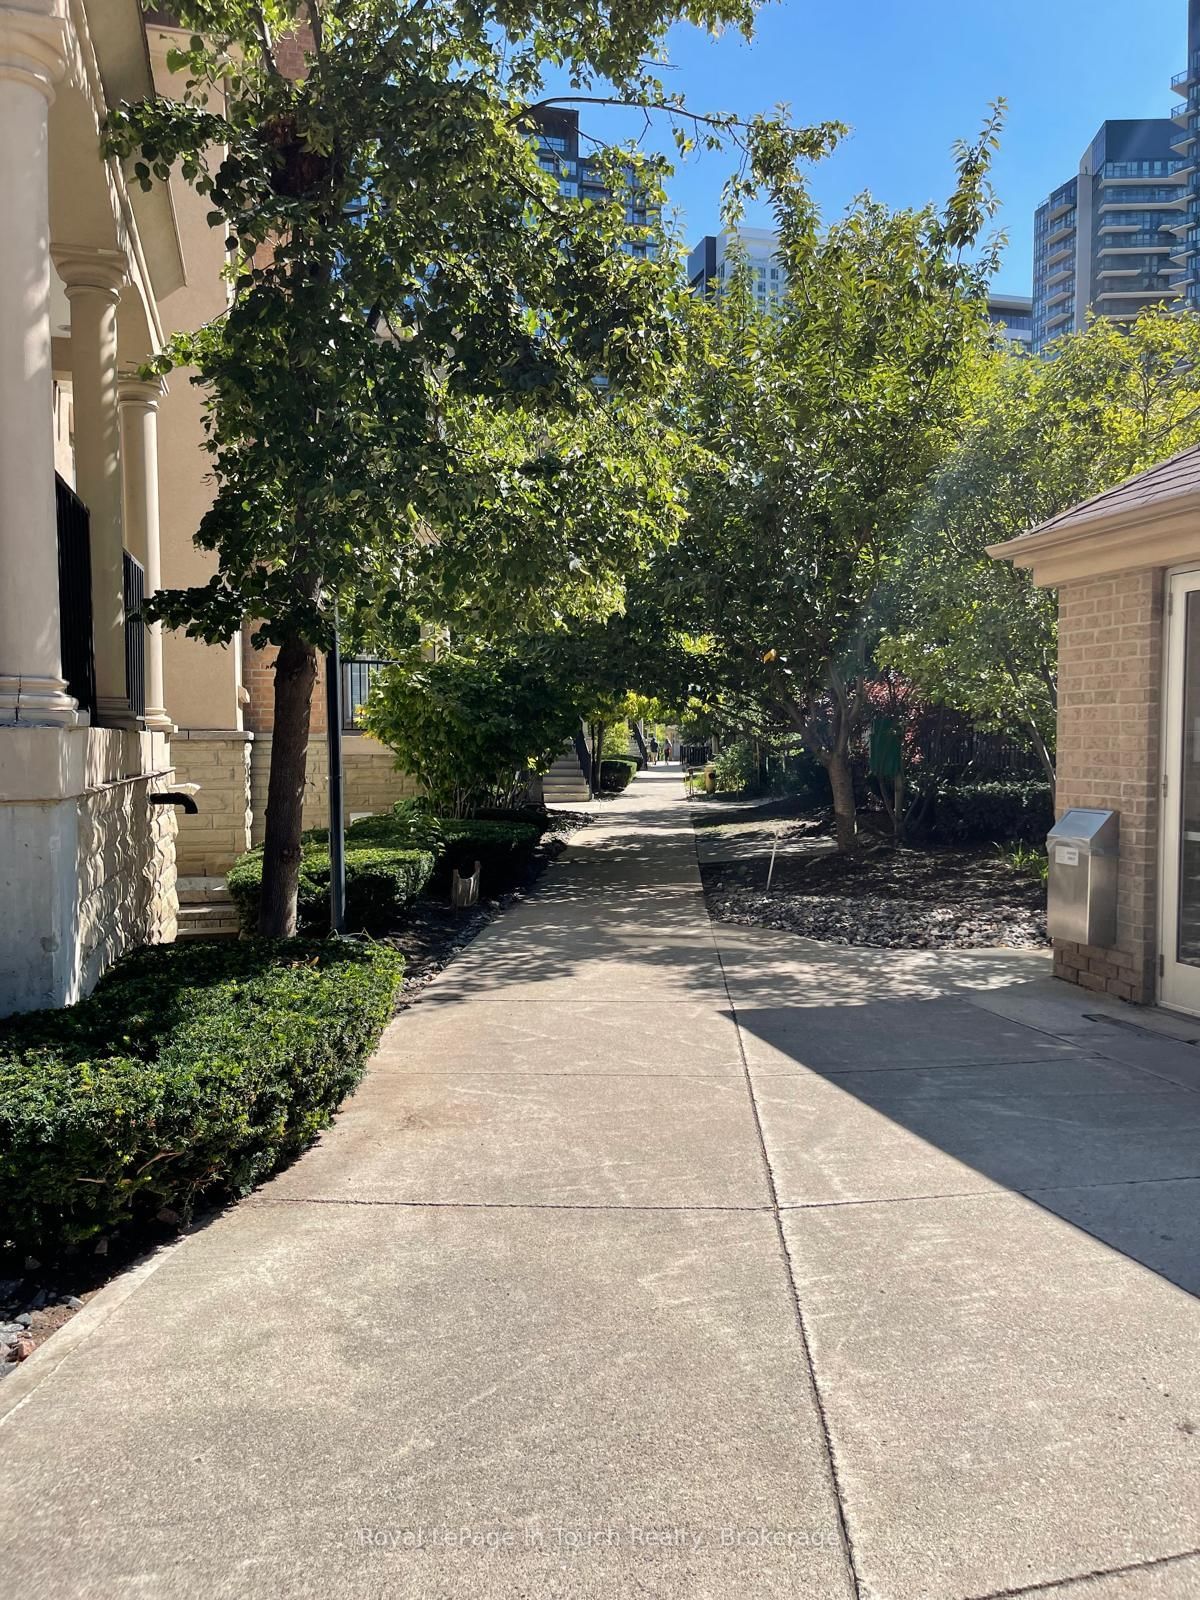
<point x="654" y="1258"/>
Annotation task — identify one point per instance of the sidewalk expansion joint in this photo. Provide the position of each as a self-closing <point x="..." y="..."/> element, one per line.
<point x="801" y="1326"/>
<point x="491" y="1205"/>
<point x="1055" y="1585"/>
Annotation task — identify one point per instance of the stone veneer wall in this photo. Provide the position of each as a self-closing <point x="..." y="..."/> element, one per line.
<point x="218" y="759"/>
<point x="1110" y="645"/>
<point x="126" y="870"/>
<point x="371" y="781"/>
<point x="87" y="863"/>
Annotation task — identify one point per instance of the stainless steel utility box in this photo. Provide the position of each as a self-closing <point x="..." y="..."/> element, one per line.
<point x="1084" y="848"/>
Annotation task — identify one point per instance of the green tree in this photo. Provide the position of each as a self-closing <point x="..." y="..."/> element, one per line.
<point x="819" y="429"/>
<point x="1036" y="438"/>
<point x="400" y="264"/>
<point x="472" y="724"/>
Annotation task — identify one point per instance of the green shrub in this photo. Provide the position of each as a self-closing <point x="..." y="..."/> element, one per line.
<point x="502" y="849"/>
<point x="538" y="817"/>
<point x="737" y="767"/>
<point x="192" y="1068"/>
<point x="617" y="773"/>
<point x="381" y="879"/>
<point x="999" y="812"/>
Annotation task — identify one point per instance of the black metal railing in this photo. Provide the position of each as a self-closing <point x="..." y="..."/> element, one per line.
<point x="358" y="674"/>
<point x="133" y="580"/>
<point x="75" y="595"/>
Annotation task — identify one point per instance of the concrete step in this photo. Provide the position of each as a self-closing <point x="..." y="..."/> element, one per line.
<point x="565" y="781"/>
<point x="205" y="910"/>
<point x="207" y="922"/>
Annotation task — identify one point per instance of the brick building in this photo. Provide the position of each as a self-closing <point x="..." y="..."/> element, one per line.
<point x="1127" y="569"/>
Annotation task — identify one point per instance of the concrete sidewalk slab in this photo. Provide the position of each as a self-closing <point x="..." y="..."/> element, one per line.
<point x="879" y="1136"/>
<point x="996" y="1421"/>
<point x="301" y="1387"/>
<point x="528" y="1139"/>
<point x="589" y="1037"/>
<point x="883" y="1034"/>
<point x="1156" y="1222"/>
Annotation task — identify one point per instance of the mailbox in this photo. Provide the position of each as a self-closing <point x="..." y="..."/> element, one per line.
<point x="1084" y="849"/>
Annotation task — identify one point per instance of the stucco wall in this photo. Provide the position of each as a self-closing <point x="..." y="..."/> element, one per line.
<point x="1109" y="688"/>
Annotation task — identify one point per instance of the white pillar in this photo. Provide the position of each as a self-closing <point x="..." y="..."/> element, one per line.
<point x="138" y="402"/>
<point x="32" y="689"/>
<point x="93" y="280"/>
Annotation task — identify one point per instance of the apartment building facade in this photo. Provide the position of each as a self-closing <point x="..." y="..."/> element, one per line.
<point x="1185" y="115"/>
<point x="714" y="260"/>
<point x="566" y="153"/>
<point x="104" y="721"/>
<point x="1106" y="241"/>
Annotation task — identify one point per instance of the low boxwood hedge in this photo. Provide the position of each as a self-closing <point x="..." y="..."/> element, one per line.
<point x="381" y="878"/>
<point x="617" y="773"/>
<point x="502" y="849"/>
<point x="191" y="1069"/>
<point x="998" y="812"/>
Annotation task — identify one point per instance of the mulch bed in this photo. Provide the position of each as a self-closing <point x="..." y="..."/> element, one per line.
<point x="929" y="898"/>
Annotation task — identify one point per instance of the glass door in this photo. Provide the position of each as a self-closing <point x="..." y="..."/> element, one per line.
<point x="1180" y="886"/>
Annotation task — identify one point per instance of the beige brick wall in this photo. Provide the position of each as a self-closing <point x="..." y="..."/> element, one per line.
<point x="371" y="780"/>
<point x="219" y="761"/>
<point x="1109" y="693"/>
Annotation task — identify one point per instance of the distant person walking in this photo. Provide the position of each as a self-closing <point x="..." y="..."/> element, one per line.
<point x="653" y="750"/>
<point x="667" y="751"/>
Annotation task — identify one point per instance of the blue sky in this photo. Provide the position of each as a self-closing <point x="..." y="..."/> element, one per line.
<point x="911" y="76"/>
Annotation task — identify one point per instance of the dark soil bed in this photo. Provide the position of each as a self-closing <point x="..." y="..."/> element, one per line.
<point x="931" y="898"/>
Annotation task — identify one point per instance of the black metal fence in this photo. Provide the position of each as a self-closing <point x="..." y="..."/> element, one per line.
<point x="358" y="674"/>
<point x="75" y="595"/>
<point x="950" y="746"/>
<point x="134" y="587"/>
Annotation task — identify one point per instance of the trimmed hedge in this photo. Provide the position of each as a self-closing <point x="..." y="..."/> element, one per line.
<point x="191" y="1069"/>
<point x="502" y="849"/>
<point x="1000" y="812"/>
<point x="381" y="879"/>
<point x="617" y="773"/>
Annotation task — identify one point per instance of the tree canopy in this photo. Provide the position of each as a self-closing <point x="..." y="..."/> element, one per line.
<point x="427" y="345"/>
<point x="1035" y="437"/>
<point x="818" y="430"/>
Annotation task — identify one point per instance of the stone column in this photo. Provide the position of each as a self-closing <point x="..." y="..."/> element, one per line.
<point x="32" y="689"/>
<point x="93" y="280"/>
<point x="138" y="402"/>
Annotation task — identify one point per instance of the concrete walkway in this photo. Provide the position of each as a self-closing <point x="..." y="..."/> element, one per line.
<point x="659" y="1259"/>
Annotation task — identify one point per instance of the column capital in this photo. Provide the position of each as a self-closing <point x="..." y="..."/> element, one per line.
<point x="85" y="271"/>
<point x="33" y="48"/>
<point x="139" y="393"/>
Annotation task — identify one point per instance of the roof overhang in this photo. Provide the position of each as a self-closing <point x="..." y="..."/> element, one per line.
<point x="1165" y="533"/>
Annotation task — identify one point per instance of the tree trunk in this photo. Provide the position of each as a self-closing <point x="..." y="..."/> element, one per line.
<point x="841" y="781"/>
<point x="295" y="675"/>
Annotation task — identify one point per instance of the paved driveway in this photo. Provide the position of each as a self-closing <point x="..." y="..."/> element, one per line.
<point x="657" y="1258"/>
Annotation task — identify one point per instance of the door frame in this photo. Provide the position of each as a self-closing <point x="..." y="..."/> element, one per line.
<point x="1177" y="984"/>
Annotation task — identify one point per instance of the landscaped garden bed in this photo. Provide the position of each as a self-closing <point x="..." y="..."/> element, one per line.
<point x="929" y="897"/>
<point x="392" y="858"/>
